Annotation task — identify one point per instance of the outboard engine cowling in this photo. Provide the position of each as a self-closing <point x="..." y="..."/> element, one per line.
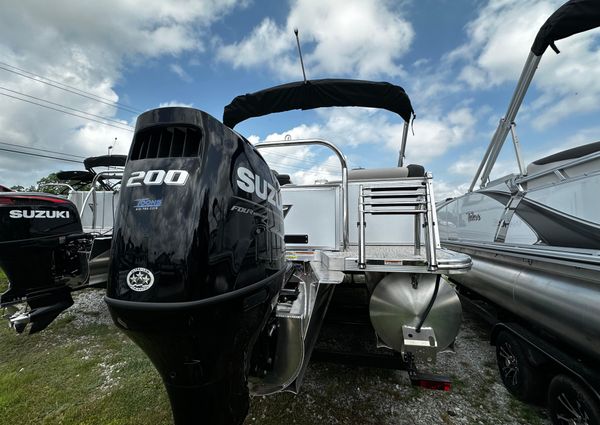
<point x="198" y="259"/>
<point x="40" y="243"/>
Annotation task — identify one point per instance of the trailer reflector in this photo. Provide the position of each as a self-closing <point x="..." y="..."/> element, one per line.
<point x="431" y="382"/>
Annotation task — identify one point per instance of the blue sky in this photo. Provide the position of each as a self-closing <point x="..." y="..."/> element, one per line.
<point x="457" y="60"/>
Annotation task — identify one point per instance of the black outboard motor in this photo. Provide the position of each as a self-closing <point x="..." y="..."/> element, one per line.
<point x="40" y="243"/>
<point x="197" y="260"/>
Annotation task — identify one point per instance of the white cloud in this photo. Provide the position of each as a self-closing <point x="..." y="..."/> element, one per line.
<point x="443" y="189"/>
<point x="175" y="103"/>
<point x="367" y="128"/>
<point x="326" y="171"/>
<point x="85" y="45"/>
<point x="581" y="137"/>
<point x="339" y="37"/>
<point x="500" y="39"/>
<point x="266" y="42"/>
<point x="433" y="138"/>
<point x="464" y="167"/>
<point x="180" y="72"/>
<point x="295" y="160"/>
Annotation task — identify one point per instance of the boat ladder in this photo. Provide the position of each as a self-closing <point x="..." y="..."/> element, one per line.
<point x="411" y="196"/>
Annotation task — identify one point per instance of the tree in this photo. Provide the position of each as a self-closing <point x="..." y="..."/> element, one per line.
<point x="45" y="185"/>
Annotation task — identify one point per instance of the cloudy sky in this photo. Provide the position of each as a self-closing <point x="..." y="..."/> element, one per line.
<point x="102" y="63"/>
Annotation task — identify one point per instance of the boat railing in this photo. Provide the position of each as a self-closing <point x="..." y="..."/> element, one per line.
<point x="344" y="166"/>
<point x="108" y="174"/>
<point x="68" y="186"/>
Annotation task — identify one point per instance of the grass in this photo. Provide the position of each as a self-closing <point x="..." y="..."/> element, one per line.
<point x="87" y="372"/>
<point x="78" y="374"/>
<point x="3" y="282"/>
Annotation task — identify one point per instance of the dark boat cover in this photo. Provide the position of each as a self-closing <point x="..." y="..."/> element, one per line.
<point x="80" y="176"/>
<point x="572" y="153"/>
<point x="573" y="17"/>
<point x="105" y="161"/>
<point x="318" y="94"/>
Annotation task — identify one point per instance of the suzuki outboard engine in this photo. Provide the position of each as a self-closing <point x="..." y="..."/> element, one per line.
<point x="198" y="259"/>
<point x="41" y="240"/>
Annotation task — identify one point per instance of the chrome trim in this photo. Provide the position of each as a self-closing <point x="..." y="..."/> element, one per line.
<point x="517" y="145"/>
<point x="343" y="162"/>
<point x="586" y="258"/>
<point x="433" y="238"/>
<point x="403" y="145"/>
<point x="92" y="192"/>
<point x="361" y="228"/>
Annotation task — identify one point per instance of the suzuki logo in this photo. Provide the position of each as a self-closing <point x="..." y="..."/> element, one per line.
<point x="38" y="214"/>
<point x="253" y="183"/>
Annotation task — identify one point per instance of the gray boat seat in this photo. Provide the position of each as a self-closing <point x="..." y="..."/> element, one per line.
<point x="283" y="179"/>
<point x="411" y="170"/>
<point x="563" y="157"/>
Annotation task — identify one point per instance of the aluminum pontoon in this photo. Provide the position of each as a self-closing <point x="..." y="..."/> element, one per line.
<point x="534" y="238"/>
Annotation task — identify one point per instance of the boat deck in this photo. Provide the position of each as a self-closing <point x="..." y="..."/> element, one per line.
<point x="385" y="258"/>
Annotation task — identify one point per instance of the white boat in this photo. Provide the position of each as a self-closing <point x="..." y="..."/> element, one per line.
<point x="534" y="237"/>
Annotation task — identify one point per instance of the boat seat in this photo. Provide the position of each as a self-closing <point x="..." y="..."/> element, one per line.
<point x="563" y="157"/>
<point x="283" y="179"/>
<point x="411" y="170"/>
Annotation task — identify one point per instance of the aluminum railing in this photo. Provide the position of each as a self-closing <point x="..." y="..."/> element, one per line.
<point x="341" y="157"/>
<point x="108" y="174"/>
<point x="404" y="197"/>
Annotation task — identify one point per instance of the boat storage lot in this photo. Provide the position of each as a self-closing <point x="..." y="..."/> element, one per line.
<point x="121" y="387"/>
<point x="338" y="394"/>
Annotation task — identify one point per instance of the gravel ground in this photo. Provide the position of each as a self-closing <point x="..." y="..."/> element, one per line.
<point x="338" y="394"/>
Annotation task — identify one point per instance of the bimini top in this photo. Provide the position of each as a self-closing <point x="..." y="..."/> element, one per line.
<point x="105" y="161"/>
<point x="80" y="176"/>
<point x="318" y="94"/>
<point x="573" y="17"/>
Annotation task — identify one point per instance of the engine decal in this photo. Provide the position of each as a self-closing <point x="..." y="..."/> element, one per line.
<point x="253" y="183"/>
<point x="158" y="177"/>
<point x="140" y="279"/>
<point x="38" y="214"/>
<point x="146" y="204"/>
<point x="237" y="208"/>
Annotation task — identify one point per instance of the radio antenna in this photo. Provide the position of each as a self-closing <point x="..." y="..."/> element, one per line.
<point x="300" y="53"/>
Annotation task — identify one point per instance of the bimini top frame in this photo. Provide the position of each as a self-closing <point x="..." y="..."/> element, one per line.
<point x="319" y="94"/>
<point x="573" y="17"/>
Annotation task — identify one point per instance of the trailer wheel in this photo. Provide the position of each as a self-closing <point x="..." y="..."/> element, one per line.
<point x="518" y="376"/>
<point x="570" y="403"/>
